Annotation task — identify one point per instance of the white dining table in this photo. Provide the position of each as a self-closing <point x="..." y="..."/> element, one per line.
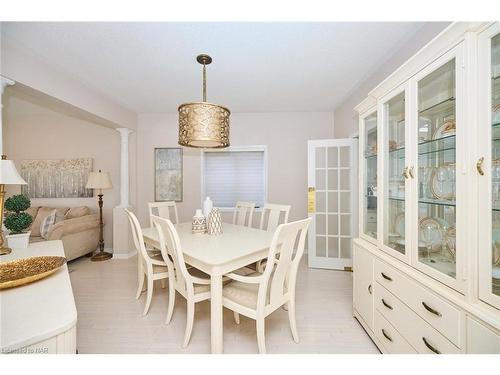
<point x="216" y="255"/>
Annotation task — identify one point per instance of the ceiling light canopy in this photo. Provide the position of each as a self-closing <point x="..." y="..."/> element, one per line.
<point x="203" y="124"/>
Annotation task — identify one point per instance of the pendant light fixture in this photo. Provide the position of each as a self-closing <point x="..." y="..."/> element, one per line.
<point x="203" y="124"/>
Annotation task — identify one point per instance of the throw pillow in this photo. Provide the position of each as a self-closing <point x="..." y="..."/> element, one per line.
<point x="47" y="223"/>
<point x="77" y="212"/>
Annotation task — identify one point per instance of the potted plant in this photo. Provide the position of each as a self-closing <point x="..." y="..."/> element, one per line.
<point x="17" y="221"/>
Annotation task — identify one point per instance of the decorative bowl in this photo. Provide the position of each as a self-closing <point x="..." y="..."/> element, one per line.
<point x="24" y="271"/>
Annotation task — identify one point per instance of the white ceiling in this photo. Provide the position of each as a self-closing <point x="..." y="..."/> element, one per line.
<point x="257" y="67"/>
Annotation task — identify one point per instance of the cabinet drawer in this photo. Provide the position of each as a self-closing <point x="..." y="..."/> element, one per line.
<point x="421" y="335"/>
<point x="433" y="309"/>
<point x="390" y="338"/>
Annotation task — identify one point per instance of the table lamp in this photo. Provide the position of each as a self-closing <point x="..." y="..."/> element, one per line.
<point x="100" y="181"/>
<point x="8" y="176"/>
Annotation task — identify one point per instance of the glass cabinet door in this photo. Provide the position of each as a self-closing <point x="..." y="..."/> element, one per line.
<point x="495" y="156"/>
<point x="395" y="173"/>
<point x="370" y="175"/>
<point x="437" y="164"/>
<point x="488" y="166"/>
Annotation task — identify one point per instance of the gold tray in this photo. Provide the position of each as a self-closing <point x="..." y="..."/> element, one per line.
<point x="24" y="271"/>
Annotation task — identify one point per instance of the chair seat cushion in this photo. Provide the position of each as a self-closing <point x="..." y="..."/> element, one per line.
<point x="244" y="294"/>
<point x="158" y="269"/>
<point x="244" y="271"/>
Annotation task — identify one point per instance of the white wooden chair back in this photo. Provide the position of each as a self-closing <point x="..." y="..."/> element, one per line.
<point x="139" y="240"/>
<point x="166" y="210"/>
<point x="242" y="211"/>
<point x="172" y="246"/>
<point x="279" y="277"/>
<point x="273" y="212"/>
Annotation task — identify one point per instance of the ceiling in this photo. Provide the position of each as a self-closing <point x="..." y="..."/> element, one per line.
<point x="257" y="67"/>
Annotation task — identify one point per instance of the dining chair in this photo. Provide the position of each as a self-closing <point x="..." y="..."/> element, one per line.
<point x="163" y="209"/>
<point x="271" y="216"/>
<point x="258" y="295"/>
<point x="149" y="267"/>
<point x="242" y="211"/>
<point x="193" y="285"/>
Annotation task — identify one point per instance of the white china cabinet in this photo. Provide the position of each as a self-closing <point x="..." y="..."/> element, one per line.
<point x="427" y="263"/>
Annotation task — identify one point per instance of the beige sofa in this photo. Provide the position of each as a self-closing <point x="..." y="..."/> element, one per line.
<point x="76" y="227"/>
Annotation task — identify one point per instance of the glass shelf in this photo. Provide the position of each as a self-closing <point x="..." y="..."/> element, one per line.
<point x="437" y="202"/>
<point x="369" y="156"/>
<point x="400" y="199"/>
<point x="437" y="145"/>
<point x="397" y="150"/>
<point x="447" y="105"/>
<point x="495" y="132"/>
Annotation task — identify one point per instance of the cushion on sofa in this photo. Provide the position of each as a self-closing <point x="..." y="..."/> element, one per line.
<point x="47" y="224"/>
<point x="32" y="211"/>
<point x="77" y="212"/>
<point x="41" y="214"/>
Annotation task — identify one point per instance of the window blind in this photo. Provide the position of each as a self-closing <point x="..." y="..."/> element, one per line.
<point x="232" y="176"/>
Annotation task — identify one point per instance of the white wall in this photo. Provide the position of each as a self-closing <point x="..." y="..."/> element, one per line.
<point x="346" y="120"/>
<point x="23" y="66"/>
<point x="285" y="135"/>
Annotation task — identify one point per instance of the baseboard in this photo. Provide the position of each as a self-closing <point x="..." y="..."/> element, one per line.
<point x="129" y="255"/>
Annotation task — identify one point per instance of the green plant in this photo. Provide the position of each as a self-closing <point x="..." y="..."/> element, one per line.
<point x="16" y="220"/>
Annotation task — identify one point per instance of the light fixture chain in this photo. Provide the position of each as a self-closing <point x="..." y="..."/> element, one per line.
<point x="204" y="83"/>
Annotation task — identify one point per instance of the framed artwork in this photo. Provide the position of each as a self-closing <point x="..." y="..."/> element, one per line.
<point x="56" y="178"/>
<point x="168" y="174"/>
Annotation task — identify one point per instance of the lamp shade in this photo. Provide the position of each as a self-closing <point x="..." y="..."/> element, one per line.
<point x="99" y="180"/>
<point x="9" y="174"/>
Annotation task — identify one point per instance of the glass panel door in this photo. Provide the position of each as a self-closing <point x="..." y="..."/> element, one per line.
<point x="495" y="165"/>
<point x="437" y="169"/>
<point x="488" y="165"/>
<point x="394" y="173"/>
<point x="370" y="176"/>
<point x="332" y="172"/>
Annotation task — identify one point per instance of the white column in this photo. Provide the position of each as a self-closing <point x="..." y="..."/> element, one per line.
<point x="123" y="246"/>
<point x="124" y="168"/>
<point x="4" y="82"/>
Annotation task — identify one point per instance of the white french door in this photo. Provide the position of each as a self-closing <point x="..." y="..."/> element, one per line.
<point x="333" y="192"/>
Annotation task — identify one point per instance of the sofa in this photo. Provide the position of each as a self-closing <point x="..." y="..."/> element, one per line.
<point x="76" y="227"/>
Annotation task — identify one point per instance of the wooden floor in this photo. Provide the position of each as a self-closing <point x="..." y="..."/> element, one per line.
<point x="110" y="318"/>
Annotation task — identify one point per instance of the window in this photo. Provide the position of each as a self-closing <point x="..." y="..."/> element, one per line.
<point x="235" y="174"/>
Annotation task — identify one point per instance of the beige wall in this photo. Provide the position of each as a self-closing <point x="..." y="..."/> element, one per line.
<point x="346" y="121"/>
<point x="34" y="130"/>
<point x="285" y="135"/>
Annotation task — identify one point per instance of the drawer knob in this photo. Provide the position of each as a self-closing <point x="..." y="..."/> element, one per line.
<point x="386" y="304"/>
<point x="386" y="335"/>
<point x="430" y="347"/>
<point x="385" y="276"/>
<point x="431" y="310"/>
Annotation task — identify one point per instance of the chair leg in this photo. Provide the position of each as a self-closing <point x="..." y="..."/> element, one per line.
<point x="261" y="338"/>
<point x="149" y="295"/>
<point x="163" y="283"/>
<point x="189" y="323"/>
<point x="293" y="322"/>
<point x="140" y="286"/>
<point x="236" y="317"/>
<point x="171" y="300"/>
